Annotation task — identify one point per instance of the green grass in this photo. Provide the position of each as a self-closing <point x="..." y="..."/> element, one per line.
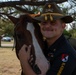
<point x="9" y="64"/>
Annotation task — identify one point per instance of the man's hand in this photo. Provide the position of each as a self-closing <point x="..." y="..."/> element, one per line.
<point x="24" y="56"/>
<point x="24" y="53"/>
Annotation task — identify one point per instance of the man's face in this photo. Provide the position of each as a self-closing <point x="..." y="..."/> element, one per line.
<point x="51" y="29"/>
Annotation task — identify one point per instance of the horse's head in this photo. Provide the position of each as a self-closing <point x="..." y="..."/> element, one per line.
<point x="27" y="31"/>
<point x="21" y="33"/>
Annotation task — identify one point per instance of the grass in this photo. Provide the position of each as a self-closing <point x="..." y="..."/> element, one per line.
<point x="9" y="64"/>
<point x="5" y="42"/>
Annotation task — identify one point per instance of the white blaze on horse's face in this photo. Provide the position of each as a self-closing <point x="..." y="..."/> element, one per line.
<point x="41" y="61"/>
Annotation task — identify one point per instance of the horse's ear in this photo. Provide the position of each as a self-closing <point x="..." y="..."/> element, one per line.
<point x="26" y="18"/>
<point x="13" y="19"/>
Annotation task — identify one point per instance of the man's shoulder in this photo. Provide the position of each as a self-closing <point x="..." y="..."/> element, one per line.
<point x="68" y="49"/>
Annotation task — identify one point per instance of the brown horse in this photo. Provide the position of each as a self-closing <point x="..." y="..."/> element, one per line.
<point x="27" y="31"/>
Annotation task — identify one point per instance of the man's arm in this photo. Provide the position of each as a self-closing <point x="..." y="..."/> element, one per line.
<point x="24" y="56"/>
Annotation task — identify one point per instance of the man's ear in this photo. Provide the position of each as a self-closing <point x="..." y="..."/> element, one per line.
<point x="63" y="25"/>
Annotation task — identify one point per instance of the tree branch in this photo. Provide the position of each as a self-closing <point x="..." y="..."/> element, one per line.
<point x="22" y="10"/>
<point x="14" y="3"/>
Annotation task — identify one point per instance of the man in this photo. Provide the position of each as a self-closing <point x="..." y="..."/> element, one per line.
<point x="58" y="51"/>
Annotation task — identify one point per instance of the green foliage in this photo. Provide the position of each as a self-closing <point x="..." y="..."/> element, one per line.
<point x="66" y="32"/>
<point x="70" y="33"/>
<point x="6" y="28"/>
<point x="73" y="33"/>
<point x="1" y="28"/>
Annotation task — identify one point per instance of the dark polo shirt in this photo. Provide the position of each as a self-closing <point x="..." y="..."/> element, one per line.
<point x="62" y="58"/>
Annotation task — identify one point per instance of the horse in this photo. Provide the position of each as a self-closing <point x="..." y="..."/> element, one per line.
<point x="27" y="31"/>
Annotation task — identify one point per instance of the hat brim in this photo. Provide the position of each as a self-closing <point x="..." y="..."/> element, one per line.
<point x="66" y="19"/>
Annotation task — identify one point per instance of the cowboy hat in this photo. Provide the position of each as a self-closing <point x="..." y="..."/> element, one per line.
<point x="51" y="12"/>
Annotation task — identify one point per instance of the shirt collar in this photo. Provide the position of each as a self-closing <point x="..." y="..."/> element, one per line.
<point x="57" y="43"/>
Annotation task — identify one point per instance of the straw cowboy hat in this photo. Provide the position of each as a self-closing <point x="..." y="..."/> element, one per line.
<point x="51" y="12"/>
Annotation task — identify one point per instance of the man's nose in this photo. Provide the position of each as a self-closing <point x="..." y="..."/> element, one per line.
<point x="48" y="25"/>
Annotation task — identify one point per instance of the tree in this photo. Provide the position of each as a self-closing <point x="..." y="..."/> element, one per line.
<point x="8" y="29"/>
<point x="32" y="6"/>
<point x="15" y="8"/>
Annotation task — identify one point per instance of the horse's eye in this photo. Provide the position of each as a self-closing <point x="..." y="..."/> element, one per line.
<point x="20" y="36"/>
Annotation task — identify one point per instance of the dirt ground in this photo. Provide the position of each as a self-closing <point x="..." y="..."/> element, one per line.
<point x="9" y="64"/>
